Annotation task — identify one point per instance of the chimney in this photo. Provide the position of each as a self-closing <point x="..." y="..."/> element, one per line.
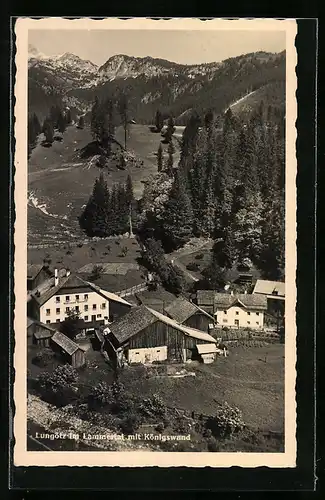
<point x="67" y="272"/>
<point x="56" y="277"/>
<point x="245" y="292"/>
<point x="231" y="293"/>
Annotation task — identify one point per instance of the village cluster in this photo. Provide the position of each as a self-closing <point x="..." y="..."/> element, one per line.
<point x="128" y="331"/>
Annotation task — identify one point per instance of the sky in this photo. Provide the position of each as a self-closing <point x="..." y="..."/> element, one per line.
<point x="185" y="47"/>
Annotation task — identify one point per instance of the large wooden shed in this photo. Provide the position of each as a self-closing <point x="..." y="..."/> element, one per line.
<point x="145" y="336"/>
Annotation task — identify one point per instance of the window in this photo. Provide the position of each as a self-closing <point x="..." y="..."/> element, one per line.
<point x="48" y="312"/>
<point x="86" y="296"/>
<point x="94" y="307"/>
<point x="237" y="312"/>
<point x="86" y="318"/>
<point x="103" y="305"/>
<point x="77" y="308"/>
<point x="257" y="314"/>
<point x="99" y="315"/>
<point x="58" y="321"/>
<point x="225" y="321"/>
<point x="224" y="312"/>
<point x="257" y="322"/>
<point x="67" y="309"/>
<point x="57" y="310"/>
<point x="67" y="298"/>
<point x="57" y="300"/>
<point x="248" y="313"/>
<point x="248" y="322"/>
<point x="77" y="298"/>
<point x="158" y="350"/>
<point x="86" y="308"/>
<point x="48" y="321"/>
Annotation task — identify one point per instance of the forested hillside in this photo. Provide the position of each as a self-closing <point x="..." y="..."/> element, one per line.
<point x="152" y="83"/>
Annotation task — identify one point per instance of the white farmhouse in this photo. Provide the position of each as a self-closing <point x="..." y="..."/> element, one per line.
<point x="240" y="310"/>
<point x="71" y="293"/>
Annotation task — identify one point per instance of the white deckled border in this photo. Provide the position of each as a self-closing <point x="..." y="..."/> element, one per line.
<point x="22" y="457"/>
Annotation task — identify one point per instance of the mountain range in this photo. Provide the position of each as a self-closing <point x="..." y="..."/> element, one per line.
<point x="153" y="84"/>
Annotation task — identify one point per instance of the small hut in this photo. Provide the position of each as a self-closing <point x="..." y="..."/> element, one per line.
<point x="69" y="350"/>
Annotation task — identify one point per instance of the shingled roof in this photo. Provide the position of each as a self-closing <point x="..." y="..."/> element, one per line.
<point x="226" y="300"/>
<point x="65" y="343"/>
<point x="33" y="270"/>
<point x="73" y="281"/>
<point x="191" y="332"/>
<point x="141" y="317"/>
<point x="181" y="309"/>
<point x="132" y="323"/>
<point x="267" y="287"/>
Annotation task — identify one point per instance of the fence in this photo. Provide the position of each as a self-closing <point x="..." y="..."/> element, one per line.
<point x="75" y="243"/>
<point x="133" y="290"/>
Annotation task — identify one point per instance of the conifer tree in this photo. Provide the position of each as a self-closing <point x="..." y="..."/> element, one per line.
<point x="159" y="122"/>
<point x="61" y="122"/>
<point x="160" y="158"/>
<point x="48" y="131"/>
<point x="170" y="158"/>
<point x="36" y="124"/>
<point x="129" y="196"/>
<point x="170" y="129"/>
<point x="189" y="142"/>
<point x="177" y="219"/>
<point x="81" y="122"/>
<point x="94" y="218"/>
<point x="68" y="117"/>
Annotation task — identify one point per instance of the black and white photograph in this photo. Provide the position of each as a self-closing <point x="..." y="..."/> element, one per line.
<point x="155" y="192"/>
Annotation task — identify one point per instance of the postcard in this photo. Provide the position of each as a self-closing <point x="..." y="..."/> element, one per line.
<point x="155" y="242"/>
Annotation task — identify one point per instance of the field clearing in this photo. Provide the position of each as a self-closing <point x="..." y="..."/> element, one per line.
<point x="60" y="183"/>
<point x="98" y="251"/>
<point x="242" y="379"/>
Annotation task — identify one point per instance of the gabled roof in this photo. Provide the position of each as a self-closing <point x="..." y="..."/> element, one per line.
<point x="205" y="297"/>
<point x="226" y="300"/>
<point x="109" y="295"/>
<point x="31" y="321"/>
<point x="132" y="323"/>
<point x="191" y="332"/>
<point x="206" y="348"/>
<point x="43" y="334"/>
<point x="141" y="317"/>
<point x="181" y="309"/>
<point x="65" y="343"/>
<point x="33" y="270"/>
<point x="267" y="287"/>
<point x="73" y="281"/>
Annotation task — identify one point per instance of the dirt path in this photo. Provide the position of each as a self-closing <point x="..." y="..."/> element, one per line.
<point x="192" y="247"/>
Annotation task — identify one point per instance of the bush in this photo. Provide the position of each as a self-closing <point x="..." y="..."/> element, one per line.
<point x="124" y="251"/>
<point x="193" y="266"/>
<point x="130" y="423"/>
<point x="212" y="444"/>
<point x="227" y="420"/>
<point x="59" y="387"/>
<point x="153" y="407"/>
<point x="199" y="256"/>
<point x="43" y="358"/>
<point x="96" y="272"/>
<point x="160" y="427"/>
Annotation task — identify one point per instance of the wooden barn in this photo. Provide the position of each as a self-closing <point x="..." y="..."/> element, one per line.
<point x="38" y="333"/>
<point x="69" y="350"/>
<point x="37" y="274"/>
<point x="145" y="335"/>
<point x="185" y="312"/>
